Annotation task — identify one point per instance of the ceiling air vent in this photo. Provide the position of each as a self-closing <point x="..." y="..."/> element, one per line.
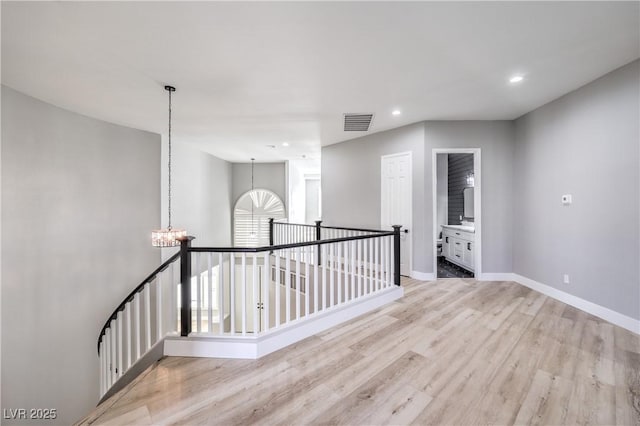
<point x="357" y="122"/>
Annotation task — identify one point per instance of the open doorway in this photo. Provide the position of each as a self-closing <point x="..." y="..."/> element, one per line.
<point x="457" y="234"/>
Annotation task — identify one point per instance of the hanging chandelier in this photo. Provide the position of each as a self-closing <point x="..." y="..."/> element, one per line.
<point x="168" y="237"/>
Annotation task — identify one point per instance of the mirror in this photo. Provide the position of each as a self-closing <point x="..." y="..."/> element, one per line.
<point x="467" y="194"/>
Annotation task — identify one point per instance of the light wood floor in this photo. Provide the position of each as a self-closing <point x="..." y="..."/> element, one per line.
<point x="450" y="352"/>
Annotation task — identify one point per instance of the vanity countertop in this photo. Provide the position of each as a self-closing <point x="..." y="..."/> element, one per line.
<point x="461" y="228"/>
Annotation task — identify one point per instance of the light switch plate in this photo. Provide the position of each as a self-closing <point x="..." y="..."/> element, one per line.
<point x="566" y="199"/>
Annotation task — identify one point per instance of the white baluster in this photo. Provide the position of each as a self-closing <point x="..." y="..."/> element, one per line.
<point x="332" y="263"/>
<point x="127" y="323"/>
<point x="389" y="261"/>
<point x="359" y="268"/>
<point x="298" y="254"/>
<point x="198" y="298"/>
<point x="137" y="326"/>
<point x="232" y="290"/>
<point x="114" y="358"/>
<point x="383" y="262"/>
<point x="220" y="293"/>
<point x="307" y="278"/>
<point x="287" y="280"/>
<point x="339" y="272"/>
<point x="370" y="267"/>
<point x="108" y="359"/>
<point x="315" y="279"/>
<point x="120" y="351"/>
<point x="377" y="260"/>
<point x="353" y="269"/>
<point x="243" y="292"/>
<point x="266" y="285"/>
<point x="147" y="317"/>
<point x="277" y="276"/>
<point x="256" y="295"/>
<point x="173" y="300"/>
<point x="101" y="362"/>
<point x="210" y="292"/>
<point x="159" y="307"/>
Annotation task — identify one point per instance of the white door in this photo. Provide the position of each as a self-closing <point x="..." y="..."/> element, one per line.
<point x="396" y="202"/>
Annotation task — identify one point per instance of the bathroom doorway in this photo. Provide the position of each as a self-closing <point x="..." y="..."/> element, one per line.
<point x="456" y="193"/>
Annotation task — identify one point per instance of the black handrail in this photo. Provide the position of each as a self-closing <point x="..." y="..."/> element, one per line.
<point x="287" y="246"/>
<point x="377" y="231"/>
<point x="131" y="295"/>
<point x="294" y="224"/>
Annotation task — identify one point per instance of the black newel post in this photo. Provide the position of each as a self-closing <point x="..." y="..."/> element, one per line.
<point x="318" y="238"/>
<point x="270" y="231"/>
<point x="185" y="285"/>
<point x="396" y="254"/>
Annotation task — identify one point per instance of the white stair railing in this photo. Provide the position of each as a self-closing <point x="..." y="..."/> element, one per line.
<point x="140" y="321"/>
<point x="247" y="292"/>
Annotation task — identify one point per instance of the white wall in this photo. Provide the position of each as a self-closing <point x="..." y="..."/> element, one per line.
<point x="80" y="197"/>
<point x="585" y="144"/>
<point x="201" y="195"/>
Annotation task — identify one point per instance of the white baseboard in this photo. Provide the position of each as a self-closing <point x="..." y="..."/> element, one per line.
<point x="599" y="311"/>
<point x="496" y="276"/>
<point x="423" y="276"/>
<point x="255" y="347"/>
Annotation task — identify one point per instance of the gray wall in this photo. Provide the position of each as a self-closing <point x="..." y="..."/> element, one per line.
<point x="584" y="144"/>
<point x="201" y="195"/>
<point x="271" y="176"/>
<point x="351" y="183"/>
<point x="79" y="197"/>
<point x="459" y="166"/>
<point x="495" y="139"/>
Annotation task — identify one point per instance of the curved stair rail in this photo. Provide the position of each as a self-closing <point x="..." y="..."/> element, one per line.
<point x="307" y="271"/>
<point x="143" y="318"/>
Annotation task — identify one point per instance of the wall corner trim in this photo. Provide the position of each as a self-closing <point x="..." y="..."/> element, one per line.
<point x="616" y="318"/>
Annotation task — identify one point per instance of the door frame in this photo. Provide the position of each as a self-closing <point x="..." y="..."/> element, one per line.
<point x="477" y="207"/>
<point x="410" y="225"/>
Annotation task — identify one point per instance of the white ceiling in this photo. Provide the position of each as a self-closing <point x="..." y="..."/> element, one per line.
<point x="255" y="74"/>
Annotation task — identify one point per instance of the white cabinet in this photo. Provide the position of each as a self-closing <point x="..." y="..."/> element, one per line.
<point x="458" y="246"/>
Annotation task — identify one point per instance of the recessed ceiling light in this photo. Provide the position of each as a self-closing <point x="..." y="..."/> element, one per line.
<point x="395" y="112"/>
<point x="285" y="143"/>
<point x="516" y="79"/>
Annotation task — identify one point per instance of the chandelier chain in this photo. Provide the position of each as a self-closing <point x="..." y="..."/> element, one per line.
<point x="253" y="225"/>
<point x="169" y="179"/>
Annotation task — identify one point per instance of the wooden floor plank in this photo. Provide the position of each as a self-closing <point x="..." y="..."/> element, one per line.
<point x="454" y="351"/>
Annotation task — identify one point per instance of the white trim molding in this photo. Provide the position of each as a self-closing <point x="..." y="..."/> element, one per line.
<point x="255" y="347"/>
<point x="599" y="311"/>
<point x="477" y="208"/>
<point x="423" y="276"/>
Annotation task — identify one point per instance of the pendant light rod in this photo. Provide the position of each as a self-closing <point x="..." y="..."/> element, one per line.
<point x="169" y="89"/>
<point x="253" y="225"/>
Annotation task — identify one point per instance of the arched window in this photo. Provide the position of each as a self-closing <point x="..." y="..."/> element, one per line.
<point x="265" y="204"/>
